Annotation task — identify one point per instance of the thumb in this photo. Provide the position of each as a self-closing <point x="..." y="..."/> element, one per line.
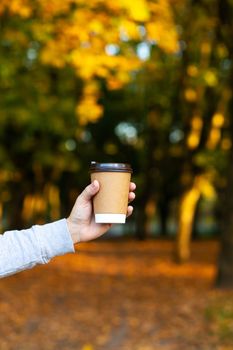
<point x="89" y="191"/>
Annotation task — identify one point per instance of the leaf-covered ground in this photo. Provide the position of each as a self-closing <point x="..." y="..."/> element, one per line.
<point x="118" y="295"/>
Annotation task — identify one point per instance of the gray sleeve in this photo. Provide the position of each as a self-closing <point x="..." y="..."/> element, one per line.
<point x="21" y="250"/>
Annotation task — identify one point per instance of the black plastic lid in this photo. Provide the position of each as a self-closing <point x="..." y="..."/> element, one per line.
<point x="111" y="167"/>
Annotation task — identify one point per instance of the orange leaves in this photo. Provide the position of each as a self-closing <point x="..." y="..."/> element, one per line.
<point x="52" y="54"/>
<point x="195" y="131"/>
<point x="138" y="9"/>
<point x="51" y="8"/>
<point x="161" y="26"/>
<point x="76" y="33"/>
<point x="16" y="7"/>
<point x="164" y="34"/>
<point x="98" y="299"/>
<point x="17" y="37"/>
<point x="192" y="70"/>
<point x="93" y="26"/>
<point x="214" y="138"/>
<point x="84" y="22"/>
<point x="130" y="29"/>
<point x="88" y="110"/>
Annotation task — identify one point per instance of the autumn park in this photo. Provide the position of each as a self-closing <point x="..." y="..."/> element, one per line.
<point x="144" y="82"/>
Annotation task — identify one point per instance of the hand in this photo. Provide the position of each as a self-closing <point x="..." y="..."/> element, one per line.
<point x="81" y="222"/>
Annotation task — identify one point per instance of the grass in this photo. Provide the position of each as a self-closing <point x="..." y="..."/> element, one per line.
<point x="220" y="315"/>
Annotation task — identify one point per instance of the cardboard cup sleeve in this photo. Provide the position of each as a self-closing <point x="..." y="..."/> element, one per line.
<point x="111" y="202"/>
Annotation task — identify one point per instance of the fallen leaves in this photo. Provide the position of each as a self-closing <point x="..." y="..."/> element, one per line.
<point x="117" y="295"/>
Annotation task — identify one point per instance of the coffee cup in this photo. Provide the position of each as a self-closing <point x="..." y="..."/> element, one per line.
<point x="111" y="202"/>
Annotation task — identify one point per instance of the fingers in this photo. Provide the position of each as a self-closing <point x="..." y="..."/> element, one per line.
<point x="93" y="188"/>
<point x="89" y="191"/>
<point x="132" y="186"/>
<point x="129" y="211"/>
<point x="131" y="196"/>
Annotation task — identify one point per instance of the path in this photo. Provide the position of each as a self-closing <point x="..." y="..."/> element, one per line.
<point x="112" y="295"/>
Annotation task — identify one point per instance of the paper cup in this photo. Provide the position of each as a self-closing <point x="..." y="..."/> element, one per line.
<point x="111" y="202"/>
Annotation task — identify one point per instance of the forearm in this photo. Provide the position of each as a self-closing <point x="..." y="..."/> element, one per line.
<point x="20" y="250"/>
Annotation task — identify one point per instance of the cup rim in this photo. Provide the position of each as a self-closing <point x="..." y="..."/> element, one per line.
<point x="110" y="167"/>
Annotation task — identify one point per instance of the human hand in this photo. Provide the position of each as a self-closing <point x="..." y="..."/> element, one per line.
<point x="81" y="221"/>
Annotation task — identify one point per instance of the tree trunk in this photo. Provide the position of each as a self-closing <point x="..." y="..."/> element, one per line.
<point x="141" y="227"/>
<point x="186" y="217"/>
<point x="225" y="271"/>
<point x="225" y="266"/>
<point x="163" y="208"/>
<point x="15" y="219"/>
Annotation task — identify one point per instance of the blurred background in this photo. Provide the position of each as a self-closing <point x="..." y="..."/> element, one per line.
<point x="145" y="82"/>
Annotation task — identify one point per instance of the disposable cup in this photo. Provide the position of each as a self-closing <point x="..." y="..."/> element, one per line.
<point x="111" y="202"/>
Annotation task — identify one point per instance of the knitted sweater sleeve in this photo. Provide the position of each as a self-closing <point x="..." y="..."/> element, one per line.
<point x="21" y="250"/>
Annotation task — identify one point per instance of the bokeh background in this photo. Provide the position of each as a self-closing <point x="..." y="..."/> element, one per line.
<point x="145" y="82"/>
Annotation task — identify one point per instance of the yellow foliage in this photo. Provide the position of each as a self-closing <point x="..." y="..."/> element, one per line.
<point x="16" y="7"/>
<point x="123" y="77"/>
<point x="16" y="36"/>
<point x="52" y="54"/>
<point x="195" y="133"/>
<point x="161" y="27"/>
<point x="197" y="122"/>
<point x="150" y="208"/>
<point x="190" y="95"/>
<point x="215" y="132"/>
<point x="96" y="26"/>
<point x="91" y="88"/>
<point x="192" y="70"/>
<point x="210" y="78"/>
<point x="138" y="9"/>
<point x="80" y="38"/>
<point x="34" y="204"/>
<point x="226" y="144"/>
<point x="114" y="83"/>
<point x="222" y="51"/>
<point x="75" y="33"/>
<point x="218" y="120"/>
<point x="164" y="35"/>
<point x="205" y="48"/>
<point x="214" y="138"/>
<point x="50" y="8"/>
<point x="193" y="139"/>
<point x="88" y="110"/>
<point x="53" y="195"/>
<point x="206" y="188"/>
<point x="42" y="31"/>
<point x="130" y="29"/>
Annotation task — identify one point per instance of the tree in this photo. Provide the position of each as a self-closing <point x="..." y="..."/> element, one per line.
<point x="225" y="271"/>
<point x="55" y="57"/>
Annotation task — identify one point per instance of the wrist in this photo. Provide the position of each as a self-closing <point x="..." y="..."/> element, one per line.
<point x="73" y="230"/>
